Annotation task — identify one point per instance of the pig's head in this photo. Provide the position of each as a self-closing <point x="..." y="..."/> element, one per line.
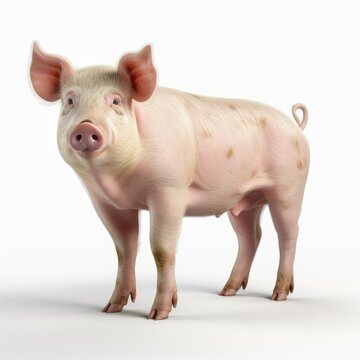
<point x="97" y="124"/>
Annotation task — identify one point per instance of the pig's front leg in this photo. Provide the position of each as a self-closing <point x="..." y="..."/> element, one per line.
<point x="166" y="213"/>
<point x="123" y="227"/>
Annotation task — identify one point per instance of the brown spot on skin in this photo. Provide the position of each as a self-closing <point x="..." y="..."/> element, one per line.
<point x="254" y="172"/>
<point x="206" y="134"/>
<point x="163" y="257"/>
<point x="120" y="256"/>
<point x="232" y="107"/>
<point x="263" y="123"/>
<point x="297" y="146"/>
<point x="230" y="153"/>
<point x="299" y="165"/>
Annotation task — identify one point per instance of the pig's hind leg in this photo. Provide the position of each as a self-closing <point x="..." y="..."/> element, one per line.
<point x="248" y="231"/>
<point x="285" y="211"/>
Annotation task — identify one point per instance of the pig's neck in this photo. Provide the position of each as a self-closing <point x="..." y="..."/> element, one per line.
<point x="113" y="181"/>
<point x="109" y="189"/>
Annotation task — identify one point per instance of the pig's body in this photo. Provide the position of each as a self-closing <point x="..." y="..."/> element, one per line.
<point x="141" y="147"/>
<point x="225" y="152"/>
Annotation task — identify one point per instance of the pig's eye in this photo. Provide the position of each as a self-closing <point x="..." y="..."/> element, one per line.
<point x="114" y="101"/>
<point x="69" y="103"/>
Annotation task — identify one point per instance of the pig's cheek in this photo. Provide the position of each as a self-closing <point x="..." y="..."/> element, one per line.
<point x="115" y="127"/>
<point x="63" y="133"/>
<point x="62" y="145"/>
<point x="104" y="124"/>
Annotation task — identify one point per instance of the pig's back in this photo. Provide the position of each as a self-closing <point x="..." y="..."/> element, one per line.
<point x="231" y="132"/>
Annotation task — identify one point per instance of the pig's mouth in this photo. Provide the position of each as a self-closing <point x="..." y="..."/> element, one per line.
<point x="88" y="153"/>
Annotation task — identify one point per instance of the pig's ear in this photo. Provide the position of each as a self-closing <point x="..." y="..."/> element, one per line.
<point x="138" y="70"/>
<point x="47" y="72"/>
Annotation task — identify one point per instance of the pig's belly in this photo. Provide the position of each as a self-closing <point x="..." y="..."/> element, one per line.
<point x="205" y="203"/>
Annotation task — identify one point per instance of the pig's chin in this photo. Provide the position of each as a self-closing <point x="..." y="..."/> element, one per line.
<point x="88" y="154"/>
<point x="84" y="158"/>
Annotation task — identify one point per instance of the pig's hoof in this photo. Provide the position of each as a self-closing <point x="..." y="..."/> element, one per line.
<point x="113" y="308"/>
<point x="232" y="287"/>
<point x="284" y="285"/>
<point x="162" y="306"/>
<point x="159" y="314"/>
<point x="116" y="304"/>
<point x="279" y="296"/>
<point x="228" y="292"/>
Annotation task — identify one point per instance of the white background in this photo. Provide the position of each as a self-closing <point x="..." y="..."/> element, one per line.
<point x="58" y="264"/>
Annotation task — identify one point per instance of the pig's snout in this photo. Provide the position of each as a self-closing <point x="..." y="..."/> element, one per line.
<point x="86" y="138"/>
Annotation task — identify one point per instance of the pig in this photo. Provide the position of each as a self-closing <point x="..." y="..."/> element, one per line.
<point x="138" y="146"/>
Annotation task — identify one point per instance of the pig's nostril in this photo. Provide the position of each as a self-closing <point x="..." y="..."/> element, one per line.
<point x="78" y="137"/>
<point x="94" y="137"/>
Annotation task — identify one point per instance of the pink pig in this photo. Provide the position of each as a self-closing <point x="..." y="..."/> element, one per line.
<point x="137" y="146"/>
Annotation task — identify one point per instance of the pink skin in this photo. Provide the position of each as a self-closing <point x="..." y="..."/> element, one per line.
<point x="124" y="225"/>
<point x="137" y="146"/>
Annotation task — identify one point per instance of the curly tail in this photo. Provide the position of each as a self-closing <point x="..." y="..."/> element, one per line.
<point x="304" y="110"/>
